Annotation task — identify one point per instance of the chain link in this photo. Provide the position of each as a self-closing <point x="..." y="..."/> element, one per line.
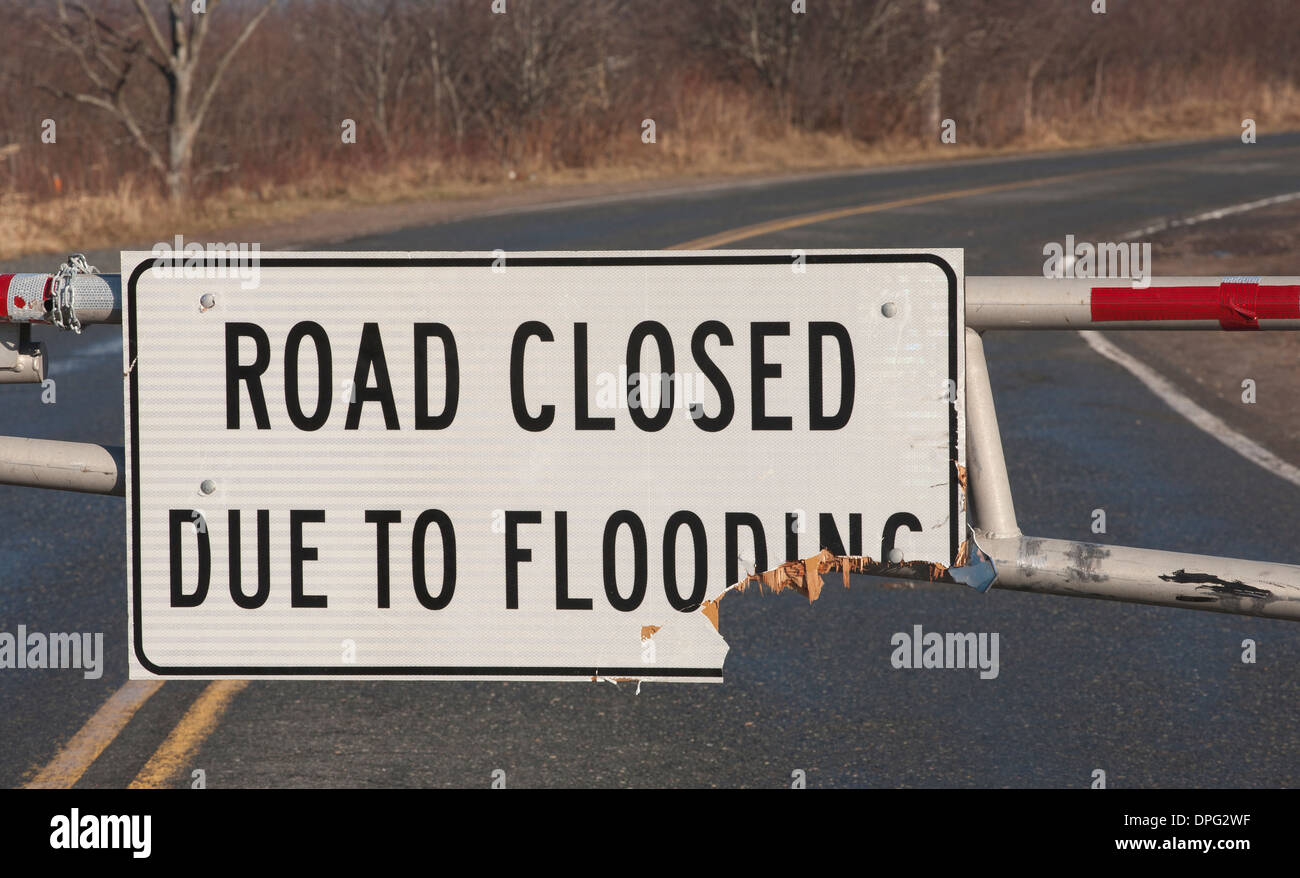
<point x="64" y="312"/>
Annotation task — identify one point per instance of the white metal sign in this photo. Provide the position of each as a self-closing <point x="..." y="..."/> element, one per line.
<point x="524" y="466"/>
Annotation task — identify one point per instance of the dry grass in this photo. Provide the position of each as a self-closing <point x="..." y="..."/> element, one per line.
<point x="716" y="133"/>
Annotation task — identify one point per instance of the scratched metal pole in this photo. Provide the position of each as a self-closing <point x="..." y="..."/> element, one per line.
<point x="1024" y="563"/>
<point x="1146" y="576"/>
<point x="1175" y="303"/>
<point x="1116" y="573"/>
<point x="63" y="466"/>
<point x="32" y="299"/>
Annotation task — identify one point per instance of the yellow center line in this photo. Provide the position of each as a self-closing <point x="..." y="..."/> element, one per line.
<point x="202" y="717"/>
<point x="779" y="225"/>
<point x="793" y="222"/>
<point x="76" y="756"/>
<point x="174" y="754"/>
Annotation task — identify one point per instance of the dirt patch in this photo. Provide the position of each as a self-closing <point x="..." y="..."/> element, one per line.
<point x="1211" y="366"/>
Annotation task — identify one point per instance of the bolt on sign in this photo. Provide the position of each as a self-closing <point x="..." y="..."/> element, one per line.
<point x="531" y="466"/>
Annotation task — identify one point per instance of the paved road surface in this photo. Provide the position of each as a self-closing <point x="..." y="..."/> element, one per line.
<point x="1155" y="697"/>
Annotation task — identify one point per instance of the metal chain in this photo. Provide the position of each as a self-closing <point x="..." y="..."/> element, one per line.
<point x="64" y="312"/>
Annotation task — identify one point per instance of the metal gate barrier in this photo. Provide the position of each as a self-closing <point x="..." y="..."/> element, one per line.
<point x="77" y="296"/>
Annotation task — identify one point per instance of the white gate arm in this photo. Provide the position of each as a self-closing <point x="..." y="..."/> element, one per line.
<point x="77" y="297"/>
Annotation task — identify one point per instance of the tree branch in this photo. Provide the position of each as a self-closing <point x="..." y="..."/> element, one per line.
<point x="220" y="69"/>
<point x="154" y="32"/>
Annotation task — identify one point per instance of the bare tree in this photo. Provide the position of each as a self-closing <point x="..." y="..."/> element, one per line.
<point x="107" y="54"/>
<point x="1041" y="29"/>
<point x="447" y="69"/>
<point x="566" y="83"/>
<point x="797" y="57"/>
<point x="762" y="38"/>
<point x="538" y="63"/>
<point x="932" y="85"/>
<point x="848" y="45"/>
<point x="373" y="47"/>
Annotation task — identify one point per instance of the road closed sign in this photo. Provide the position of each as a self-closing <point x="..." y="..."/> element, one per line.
<point x="519" y="466"/>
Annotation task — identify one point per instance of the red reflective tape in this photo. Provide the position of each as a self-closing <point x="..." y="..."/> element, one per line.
<point x="4" y="294"/>
<point x="1239" y="305"/>
<point x="1155" y="303"/>
<point x="1234" y="304"/>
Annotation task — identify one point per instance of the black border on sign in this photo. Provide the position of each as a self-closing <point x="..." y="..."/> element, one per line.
<point x="137" y="599"/>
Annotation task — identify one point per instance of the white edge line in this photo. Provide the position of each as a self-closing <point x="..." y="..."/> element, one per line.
<point x="1165" y="390"/>
<point x="1218" y="213"/>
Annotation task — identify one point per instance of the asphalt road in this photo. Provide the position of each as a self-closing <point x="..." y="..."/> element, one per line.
<point x="1152" y="696"/>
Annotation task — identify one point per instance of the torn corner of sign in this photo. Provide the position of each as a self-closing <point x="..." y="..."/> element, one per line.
<point x="806" y="577"/>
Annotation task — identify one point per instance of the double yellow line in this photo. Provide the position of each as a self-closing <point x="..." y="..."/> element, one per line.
<point x="824" y="216"/>
<point x="173" y="755"/>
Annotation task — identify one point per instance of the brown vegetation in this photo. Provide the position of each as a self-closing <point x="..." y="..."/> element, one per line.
<point x="171" y="121"/>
